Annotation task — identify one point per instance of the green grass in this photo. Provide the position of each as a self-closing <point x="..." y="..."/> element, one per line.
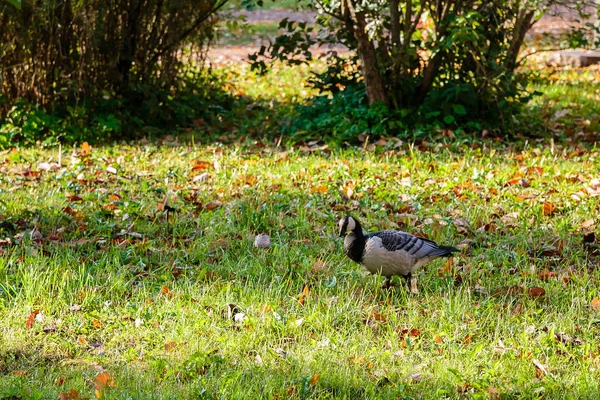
<point x="153" y="302"/>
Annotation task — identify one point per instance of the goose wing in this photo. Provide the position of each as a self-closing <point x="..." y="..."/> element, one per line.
<point x="415" y="246"/>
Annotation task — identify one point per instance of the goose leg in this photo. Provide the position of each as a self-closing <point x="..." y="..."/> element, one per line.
<point x="411" y="282"/>
<point x="388" y="283"/>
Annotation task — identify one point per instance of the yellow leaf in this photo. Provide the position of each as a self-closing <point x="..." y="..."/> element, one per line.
<point x="303" y="295"/>
<point x="97" y="324"/>
<point x="319" y="189"/>
<point x="595" y="304"/>
<point x="315" y="378"/>
<point x="85" y="149"/>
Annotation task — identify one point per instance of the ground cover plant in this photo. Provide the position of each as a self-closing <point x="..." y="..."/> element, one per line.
<point x="129" y="271"/>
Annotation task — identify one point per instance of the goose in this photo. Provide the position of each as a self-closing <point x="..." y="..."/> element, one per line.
<point x="389" y="253"/>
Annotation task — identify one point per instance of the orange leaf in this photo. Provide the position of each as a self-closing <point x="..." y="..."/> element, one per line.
<point x="74" y="198"/>
<point x="70" y="395"/>
<point x="85" y="149"/>
<point x="595" y="304"/>
<point x="303" y="295"/>
<point x="170" y="346"/>
<point x="82" y="340"/>
<point x="448" y="268"/>
<point x="31" y="319"/>
<point x="114" y="197"/>
<point x="97" y="324"/>
<point x="414" y="332"/>
<point x="319" y="189"/>
<point x="103" y="381"/>
<point x="379" y="317"/>
<point x="201" y="165"/>
<point x="20" y="373"/>
<point x="549" y="208"/>
<point x="545" y="274"/>
<point x="315" y="378"/>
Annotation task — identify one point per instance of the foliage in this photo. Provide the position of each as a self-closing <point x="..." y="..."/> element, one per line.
<point x="449" y="63"/>
<point x="147" y="111"/>
<point x="65" y="58"/>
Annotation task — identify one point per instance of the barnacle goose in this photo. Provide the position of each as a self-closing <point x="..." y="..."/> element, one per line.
<point x="389" y="253"/>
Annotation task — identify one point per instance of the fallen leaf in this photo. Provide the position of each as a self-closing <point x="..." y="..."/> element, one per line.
<point x="96" y="323"/>
<point x="60" y="381"/>
<point x="170" y="346"/>
<point x="540" y="369"/>
<point x="213" y="205"/>
<point x="313" y="381"/>
<point x="303" y="295"/>
<point x="549" y="208"/>
<point x="535" y="292"/>
<point x="494" y="393"/>
<point x="103" y="381"/>
<point x="85" y="149"/>
<point x="588" y="224"/>
<point x="201" y="165"/>
<point x="20" y="373"/>
<point x="448" y="268"/>
<point x="348" y="189"/>
<point x="545" y="274"/>
<point x="70" y="395"/>
<point x="378" y="317"/>
<point x="595" y="304"/>
<point x="319" y="189"/>
<point x="31" y="319"/>
<point x="164" y="290"/>
<point x="74" y="198"/>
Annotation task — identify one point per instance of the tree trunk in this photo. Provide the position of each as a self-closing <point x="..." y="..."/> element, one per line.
<point x="368" y="56"/>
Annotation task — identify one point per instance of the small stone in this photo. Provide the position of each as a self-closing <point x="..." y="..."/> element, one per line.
<point x="262" y="241"/>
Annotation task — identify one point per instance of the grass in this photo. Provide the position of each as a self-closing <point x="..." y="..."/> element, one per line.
<point x="135" y="303"/>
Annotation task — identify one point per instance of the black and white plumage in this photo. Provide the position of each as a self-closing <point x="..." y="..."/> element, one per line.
<point x="389" y="253"/>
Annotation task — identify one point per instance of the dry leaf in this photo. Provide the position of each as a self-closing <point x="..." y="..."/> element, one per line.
<point x="103" y="381"/>
<point x="595" y="304"/>
<point x="448" y="267"/>
<point x="348" y="190"/>
<point x="549" y="208"/>
<point x="201" y="165"/>
<point x="70" y="395"/>
<point x="164" y="290"/>
<point x="85" y="149"/>
<point x="319" y="189"/>
<point x="31" y="319"/>
<point x="96" y="323"/>
<point x="313" y="381"/>
<point x="20" y="373"/>
<point x="303" y="295"/>
<point x="170" y="346"/>
<point x="545" y="274"/>
<point x="213" y="205"/>
<point x="536" y="292"/>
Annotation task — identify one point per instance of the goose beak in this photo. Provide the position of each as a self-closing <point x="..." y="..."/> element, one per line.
<point x="342" y="232"/>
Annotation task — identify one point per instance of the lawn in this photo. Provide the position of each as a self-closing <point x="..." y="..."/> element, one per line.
<point x="128" y="271"/>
